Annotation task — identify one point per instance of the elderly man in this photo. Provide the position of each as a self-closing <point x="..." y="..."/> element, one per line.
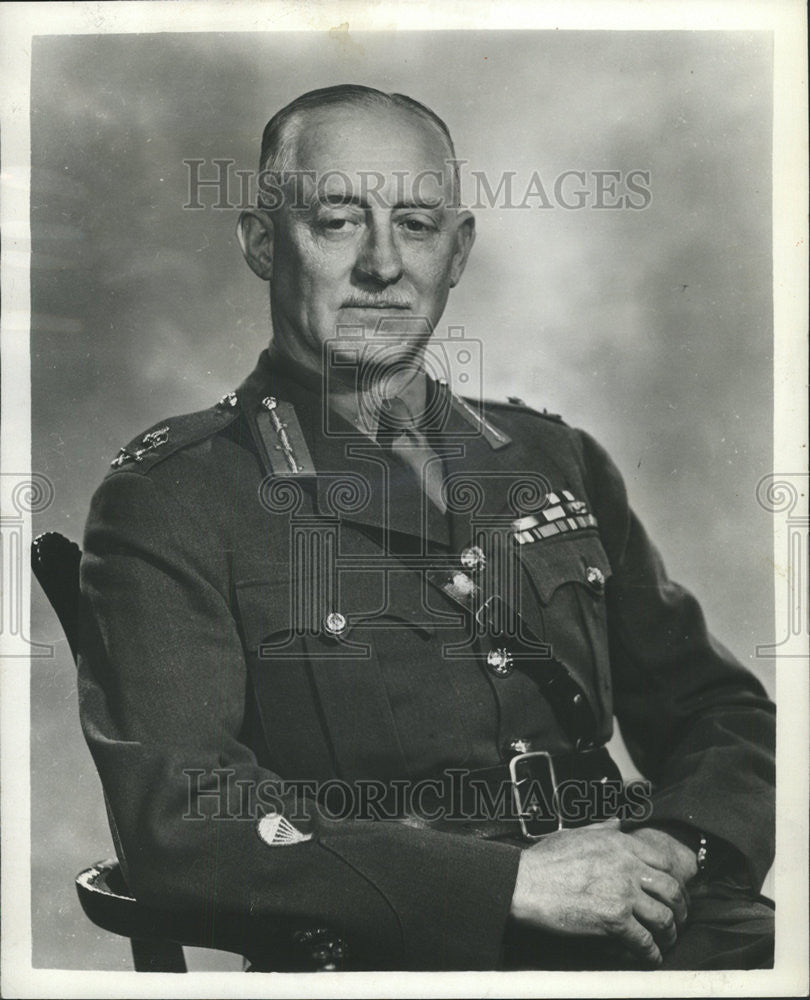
<point x="350" y="641"/>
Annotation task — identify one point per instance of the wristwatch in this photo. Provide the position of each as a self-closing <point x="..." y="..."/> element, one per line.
<point x="702" y="853"/>
<point x="715" y="857"/>
<point x="701" y="845"/>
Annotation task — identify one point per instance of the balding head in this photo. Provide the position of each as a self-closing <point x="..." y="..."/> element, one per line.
<point x="282" y="134"/>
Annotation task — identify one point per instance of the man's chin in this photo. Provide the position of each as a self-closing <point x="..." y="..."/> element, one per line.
<point x="393" y="352"/>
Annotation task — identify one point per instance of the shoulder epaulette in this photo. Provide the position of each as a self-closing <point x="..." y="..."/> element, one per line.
<point x="474" y="412"/>
<point x="284" y="447"/>
<point x="171" y="435"/>
<point x="516" y="403"/>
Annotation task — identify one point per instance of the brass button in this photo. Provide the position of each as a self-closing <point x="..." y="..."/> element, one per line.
<point x="499" y="662"/>
<point x="473" y="558"/>
<point x="519" y="746"/>
<point x="596" y="579"/>
<point x="335" y="623"/>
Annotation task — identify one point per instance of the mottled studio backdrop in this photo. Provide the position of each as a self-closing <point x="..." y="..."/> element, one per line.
<point x="651" y="328"/>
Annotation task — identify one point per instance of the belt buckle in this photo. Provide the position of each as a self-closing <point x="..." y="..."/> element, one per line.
<point x="523" y="814"/>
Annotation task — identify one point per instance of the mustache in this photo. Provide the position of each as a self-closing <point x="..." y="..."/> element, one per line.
<point x="360" y="301"/>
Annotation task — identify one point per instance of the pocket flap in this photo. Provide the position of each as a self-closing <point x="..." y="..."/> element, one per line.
<point x="576" y="559"/>
<point x="272" y="609"/>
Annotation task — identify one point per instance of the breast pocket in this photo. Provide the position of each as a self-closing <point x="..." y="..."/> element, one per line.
<point x="277" y="661"/>
<point x="367" y="669"/>
<point x="266" y="619"/>
<point x="563" y="595"/>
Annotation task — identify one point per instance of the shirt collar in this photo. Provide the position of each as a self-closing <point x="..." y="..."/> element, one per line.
<point x="348" y="404"/>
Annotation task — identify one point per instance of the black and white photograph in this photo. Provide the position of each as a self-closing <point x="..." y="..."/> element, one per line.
<point x="404" y="494"/>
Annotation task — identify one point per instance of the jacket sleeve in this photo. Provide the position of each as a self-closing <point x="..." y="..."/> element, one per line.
<point x="162" y="697"/>
<point x="694" y="720"/>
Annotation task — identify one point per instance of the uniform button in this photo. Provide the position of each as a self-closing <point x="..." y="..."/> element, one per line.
<point x="499" y="662"/>
<point x="596" y="579"/>
<point x="473" y="558"/>
<point x="519" y="746"/>
<point x="335" y="623"/>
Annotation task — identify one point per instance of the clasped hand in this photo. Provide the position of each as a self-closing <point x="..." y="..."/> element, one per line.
<point x="602" y="882"/>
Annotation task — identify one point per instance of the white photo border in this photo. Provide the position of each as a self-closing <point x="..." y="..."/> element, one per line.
<point x="787" y="20"/>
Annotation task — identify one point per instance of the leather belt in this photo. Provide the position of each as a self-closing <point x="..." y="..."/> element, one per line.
<point x="533" y="794"/>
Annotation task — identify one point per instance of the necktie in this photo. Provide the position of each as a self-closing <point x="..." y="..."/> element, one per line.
<point x="400" y="433"/>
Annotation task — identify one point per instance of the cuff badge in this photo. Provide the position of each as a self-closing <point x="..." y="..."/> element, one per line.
<point x="277" y="831"/>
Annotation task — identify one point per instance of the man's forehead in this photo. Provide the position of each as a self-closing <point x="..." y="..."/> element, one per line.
<point x="399" y="146"/>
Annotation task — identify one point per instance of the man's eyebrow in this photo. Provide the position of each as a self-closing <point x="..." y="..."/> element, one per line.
<point x="423" y="203"/>
<point x="351" y="199"/>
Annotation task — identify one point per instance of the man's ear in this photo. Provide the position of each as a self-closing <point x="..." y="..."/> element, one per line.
<point x="255" y="234"/>
<point x="465" y="237"/>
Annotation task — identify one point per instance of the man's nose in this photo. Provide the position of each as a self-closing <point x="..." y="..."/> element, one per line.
<point x="379" y="258"/>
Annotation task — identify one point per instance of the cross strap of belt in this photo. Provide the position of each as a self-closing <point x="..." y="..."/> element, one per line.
<point x="503" y="626"/>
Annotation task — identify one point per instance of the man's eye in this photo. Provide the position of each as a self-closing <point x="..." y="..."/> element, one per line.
<point x="419" y="227"/>
<point x="337" y="224"/>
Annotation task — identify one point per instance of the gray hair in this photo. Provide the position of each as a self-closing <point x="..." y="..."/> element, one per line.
<point x="280" y="135"/>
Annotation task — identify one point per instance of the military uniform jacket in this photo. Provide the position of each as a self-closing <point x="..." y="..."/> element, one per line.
<point x="216" y="551"/>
